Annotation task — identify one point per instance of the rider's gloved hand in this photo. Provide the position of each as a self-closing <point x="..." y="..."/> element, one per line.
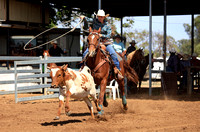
<point x="82" y="17"/>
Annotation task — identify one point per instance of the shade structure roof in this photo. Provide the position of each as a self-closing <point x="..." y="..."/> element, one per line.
<point x="121" y="8"/>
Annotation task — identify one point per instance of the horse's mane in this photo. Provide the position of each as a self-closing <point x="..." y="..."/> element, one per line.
<point x="138" y="53"/>
<point x="136" y="58"/>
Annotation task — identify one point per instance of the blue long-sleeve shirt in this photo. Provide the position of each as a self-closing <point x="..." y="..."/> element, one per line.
<point x="119" y="47"/>
<point x="105" y="27"/>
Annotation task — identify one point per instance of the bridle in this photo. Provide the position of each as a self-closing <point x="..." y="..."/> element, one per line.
<point x="96" y="46"/>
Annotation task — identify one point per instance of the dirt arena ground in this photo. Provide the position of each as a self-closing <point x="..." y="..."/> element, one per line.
<point x="156" y="113"/>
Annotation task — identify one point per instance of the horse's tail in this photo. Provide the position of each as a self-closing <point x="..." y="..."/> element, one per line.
<point x="130" y="73"/>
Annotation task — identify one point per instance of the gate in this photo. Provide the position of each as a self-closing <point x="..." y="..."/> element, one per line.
<point x="39" y="76"/>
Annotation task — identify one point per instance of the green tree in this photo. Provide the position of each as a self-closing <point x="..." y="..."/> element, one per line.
<point x="142" y="37"/>
<point x="185" y="45"/>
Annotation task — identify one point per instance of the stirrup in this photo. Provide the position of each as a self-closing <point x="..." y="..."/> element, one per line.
<point x="118" y="74"/>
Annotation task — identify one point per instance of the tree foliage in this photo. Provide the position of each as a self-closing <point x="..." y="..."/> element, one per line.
<point x="142" y="39"/>
<point x="185" y="45"/>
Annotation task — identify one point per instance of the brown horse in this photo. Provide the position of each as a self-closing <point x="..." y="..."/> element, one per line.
<point x="139" y="63"/>
<point x="101" y="68"/>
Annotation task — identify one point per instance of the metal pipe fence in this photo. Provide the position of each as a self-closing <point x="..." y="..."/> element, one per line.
<point x="38" y="76"/>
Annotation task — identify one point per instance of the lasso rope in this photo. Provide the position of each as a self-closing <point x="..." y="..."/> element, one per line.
<point x="52" y="39"/>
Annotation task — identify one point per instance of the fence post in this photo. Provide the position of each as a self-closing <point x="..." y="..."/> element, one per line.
<point x="15" y="66"/>
<point x="189" y="82"/>
<point x="45" y="71"/>
<point x="41" y="70"/>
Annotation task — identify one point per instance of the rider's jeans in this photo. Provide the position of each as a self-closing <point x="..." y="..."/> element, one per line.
<point x="112" y="52"/>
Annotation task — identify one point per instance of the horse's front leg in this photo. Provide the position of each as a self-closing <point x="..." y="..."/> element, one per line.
<point x="121" y="86"/>
<point x="67" y="109"/>
<point x="101" y="95"/>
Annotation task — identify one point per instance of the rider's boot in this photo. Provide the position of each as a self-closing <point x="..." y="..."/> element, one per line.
<point x="118" y="74"/>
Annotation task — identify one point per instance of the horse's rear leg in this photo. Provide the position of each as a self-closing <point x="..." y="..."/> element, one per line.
<point x="124" y="102"/>
<point x="105" y="102"/>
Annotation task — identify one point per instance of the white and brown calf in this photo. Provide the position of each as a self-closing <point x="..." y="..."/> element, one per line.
<point x="73" y="84"/>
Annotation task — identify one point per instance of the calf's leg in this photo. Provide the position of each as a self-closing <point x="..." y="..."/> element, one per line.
<point x="94" y="98"/>
<point x="89" y="104"/>
<point x="67" y="109"/>
<point x="59" y="110"/>
<point x="61" y="102"/>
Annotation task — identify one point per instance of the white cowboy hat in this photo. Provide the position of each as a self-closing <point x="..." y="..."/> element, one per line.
<point x="54" y="42"/>
<point x="172" y="51"/>
<point x="101" y="13"/>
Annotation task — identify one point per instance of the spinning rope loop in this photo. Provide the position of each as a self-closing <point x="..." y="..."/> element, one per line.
<point x="52" y="39"/>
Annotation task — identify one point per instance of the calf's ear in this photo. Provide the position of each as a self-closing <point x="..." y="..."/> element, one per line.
<point x="64" y="67"/>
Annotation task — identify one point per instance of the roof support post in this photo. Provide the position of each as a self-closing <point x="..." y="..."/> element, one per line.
<point x="121" y="28"/>
<point x="99" y="4"/>
<point x="192" y="35"/>
<point x="7" y="11"/>
<point x="150" y="43"/>
<point x="165" y="34"/>
<point x="43" y="13"/>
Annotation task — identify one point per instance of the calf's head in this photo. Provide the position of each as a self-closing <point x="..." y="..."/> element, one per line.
<point x="58" y="76"/>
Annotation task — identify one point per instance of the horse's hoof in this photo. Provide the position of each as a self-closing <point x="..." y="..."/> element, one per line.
<point x="68" y="113"/>
<point x="105" y="103"/>
<point x="100" y="113"/>
<point x="125" y="107"/>
<point x="57" y="118"/>
<point x="99" y="109"/>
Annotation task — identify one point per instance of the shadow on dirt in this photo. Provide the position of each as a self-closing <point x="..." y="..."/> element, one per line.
<point x="79" y="114"/>
<point x="56" y="123"/>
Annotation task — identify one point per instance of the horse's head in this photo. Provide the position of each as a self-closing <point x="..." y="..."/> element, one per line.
<point x="46" y="53"/>
<point x="140" y="55"/>
<point x="93" y="41"/>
